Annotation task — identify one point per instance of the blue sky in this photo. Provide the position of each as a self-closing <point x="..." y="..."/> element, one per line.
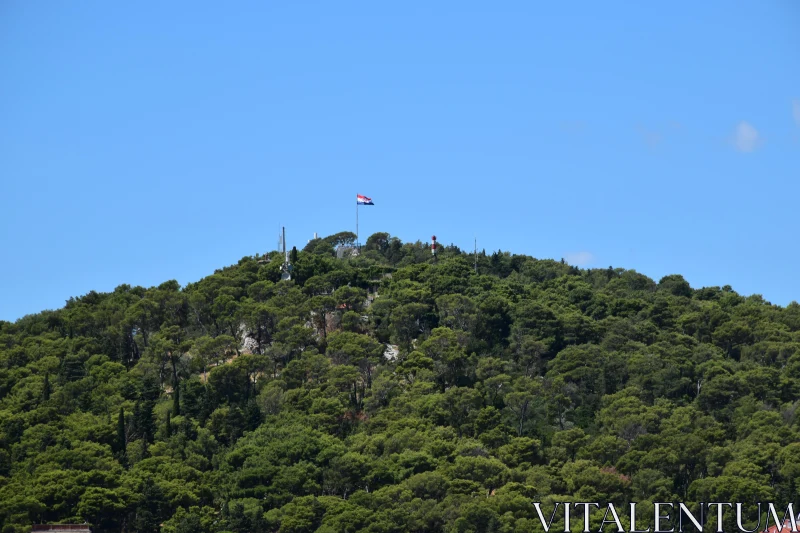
<point x="161" y="140"/>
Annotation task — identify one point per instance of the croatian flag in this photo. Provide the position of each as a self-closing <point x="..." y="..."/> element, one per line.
<point x="363" y="200"/>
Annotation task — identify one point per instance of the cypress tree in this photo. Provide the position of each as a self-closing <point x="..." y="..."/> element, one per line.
<point x="253" y="415"/>
<point x="46" y="389"/>
<point x="122" y="442"/>
<point x="176" y="399"/>
<point x="169" y="425"/>
<point x="143" y="420"/>
<point x="121" y="430"/>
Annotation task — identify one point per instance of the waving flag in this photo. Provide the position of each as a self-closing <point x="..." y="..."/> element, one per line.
<point x="363" y="200"/>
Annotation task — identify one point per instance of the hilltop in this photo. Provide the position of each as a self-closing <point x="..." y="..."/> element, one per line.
<point x="393" y="392"/>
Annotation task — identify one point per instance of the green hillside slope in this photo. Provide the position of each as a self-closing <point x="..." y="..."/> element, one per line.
<point x="393" y="393"/>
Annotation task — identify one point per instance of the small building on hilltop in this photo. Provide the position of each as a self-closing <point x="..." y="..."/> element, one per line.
<point x="344" y="251"/>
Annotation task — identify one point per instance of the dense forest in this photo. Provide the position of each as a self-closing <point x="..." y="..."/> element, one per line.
<point x="393" y="392"/>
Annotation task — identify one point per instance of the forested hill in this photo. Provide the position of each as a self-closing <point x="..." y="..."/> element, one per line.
<point x="248" y="404"/>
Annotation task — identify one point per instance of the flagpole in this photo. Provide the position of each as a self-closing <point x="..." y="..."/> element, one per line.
<point x="356" y="222"/>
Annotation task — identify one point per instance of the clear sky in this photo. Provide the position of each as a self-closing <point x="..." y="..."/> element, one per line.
<point x="148" y="141"/>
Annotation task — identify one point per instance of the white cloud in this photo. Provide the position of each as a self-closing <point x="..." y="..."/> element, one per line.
<point x="796" y="111"/>
<point x="579" y="258"/>
<point x="746" y="138"/>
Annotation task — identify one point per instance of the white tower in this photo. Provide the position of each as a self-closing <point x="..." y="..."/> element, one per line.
<point x="286" y="267"/>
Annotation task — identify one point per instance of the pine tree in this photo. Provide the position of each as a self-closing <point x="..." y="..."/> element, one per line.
<point x="151" y="508"/>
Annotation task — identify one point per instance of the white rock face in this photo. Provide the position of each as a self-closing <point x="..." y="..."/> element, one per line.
<point x="249" y="344"/>
<point x="392" y="351"/>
